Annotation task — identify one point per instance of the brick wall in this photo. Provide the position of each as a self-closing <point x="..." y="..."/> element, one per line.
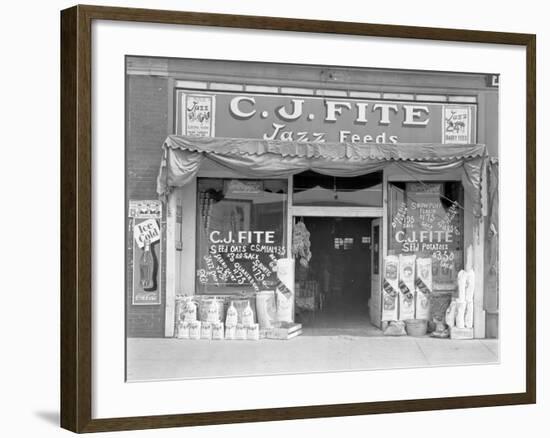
<point x="147" y="127"/>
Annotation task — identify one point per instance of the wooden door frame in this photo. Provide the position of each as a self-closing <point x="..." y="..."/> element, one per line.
<point x="378" y="322"/>
<point x="333" y="212"/>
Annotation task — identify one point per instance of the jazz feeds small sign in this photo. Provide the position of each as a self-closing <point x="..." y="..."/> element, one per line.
<point x="456" y="124"/>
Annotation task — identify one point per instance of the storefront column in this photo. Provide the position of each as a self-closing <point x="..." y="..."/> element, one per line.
<point x="479" y="269"/>
<point x="289" y="217"/>
<point x="187" y="265"/>
<point x="474" y="235"/>
<point x="180" y="249"/>
<point x="171" y="265"/>
<point x="384" y="243"/>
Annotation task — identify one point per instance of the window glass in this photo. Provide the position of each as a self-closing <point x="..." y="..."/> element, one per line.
<point x="241" y="233"/>
<point x="311" y="188"/>
<point x="344" y="243"/>
<point x="427" y="220"/>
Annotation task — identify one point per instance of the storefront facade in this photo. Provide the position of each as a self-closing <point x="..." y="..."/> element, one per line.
<point x="224" y="222"/>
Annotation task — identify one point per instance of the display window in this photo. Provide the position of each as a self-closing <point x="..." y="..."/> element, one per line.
<point x="426" y="220"/>
<point x="241" y="233"/>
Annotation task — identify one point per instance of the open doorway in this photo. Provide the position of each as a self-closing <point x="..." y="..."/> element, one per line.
<point x="333" y="292"/>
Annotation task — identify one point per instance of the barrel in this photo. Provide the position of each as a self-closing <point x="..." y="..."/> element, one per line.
<point x="416" y="327"/>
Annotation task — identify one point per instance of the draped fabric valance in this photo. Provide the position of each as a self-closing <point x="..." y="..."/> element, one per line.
<point x="183" y="156"/>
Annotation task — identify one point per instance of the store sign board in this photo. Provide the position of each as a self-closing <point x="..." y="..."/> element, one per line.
<point x="324" y="119"/>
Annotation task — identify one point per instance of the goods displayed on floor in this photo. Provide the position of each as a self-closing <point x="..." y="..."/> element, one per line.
<point x="266" y="308"/>
<point x="301" y="246"/>
<point x="395" y="328"/>
<point x="195" y="330"/>
<point x="285" y="290"/>
<point x="423" y="287"/>
<point x="264" y="314"/>
<point x="390" y="287"/>
<point x="240" y="304"/>
<point x="408" y="306"/>
<point x="408" y="299"/>
<point x="308" y="297"/>
<point x="217" y="331"/>
<point x="406" y="286"/>
<point x="284" y="331"/>
<point x="206" y="330"/>
<point x="232" y="316"/>
<point x="416" y="327"/>
<point x="460" y="313"/>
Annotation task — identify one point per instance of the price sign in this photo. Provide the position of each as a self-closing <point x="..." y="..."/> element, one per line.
<point x="428" y="222"/>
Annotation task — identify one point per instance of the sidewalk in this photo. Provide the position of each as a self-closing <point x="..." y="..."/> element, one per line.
<point x="166" y="358"/>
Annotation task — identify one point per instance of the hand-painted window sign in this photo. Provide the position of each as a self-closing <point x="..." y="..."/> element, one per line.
<point x="245" y="259"/>
<point x="427" y="220"/>
<point x="323" y="119"/>
<point x="242" y="237"/>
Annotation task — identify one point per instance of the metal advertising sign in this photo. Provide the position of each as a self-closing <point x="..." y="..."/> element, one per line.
<point x="145" y="209"/>
<point x="145" y="251"/>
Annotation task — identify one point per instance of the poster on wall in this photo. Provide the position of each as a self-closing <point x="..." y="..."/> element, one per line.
<point x="146" y="251"/>
<point x="457" y="124"/>
<point x="197" y="114"/>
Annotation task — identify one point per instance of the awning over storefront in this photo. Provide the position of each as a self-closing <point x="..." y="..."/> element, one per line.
<point x="183" y="157"/>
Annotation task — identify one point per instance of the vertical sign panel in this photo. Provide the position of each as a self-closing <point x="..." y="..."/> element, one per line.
<point x="197" y="114"/>
<point x="146" y="251"/>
